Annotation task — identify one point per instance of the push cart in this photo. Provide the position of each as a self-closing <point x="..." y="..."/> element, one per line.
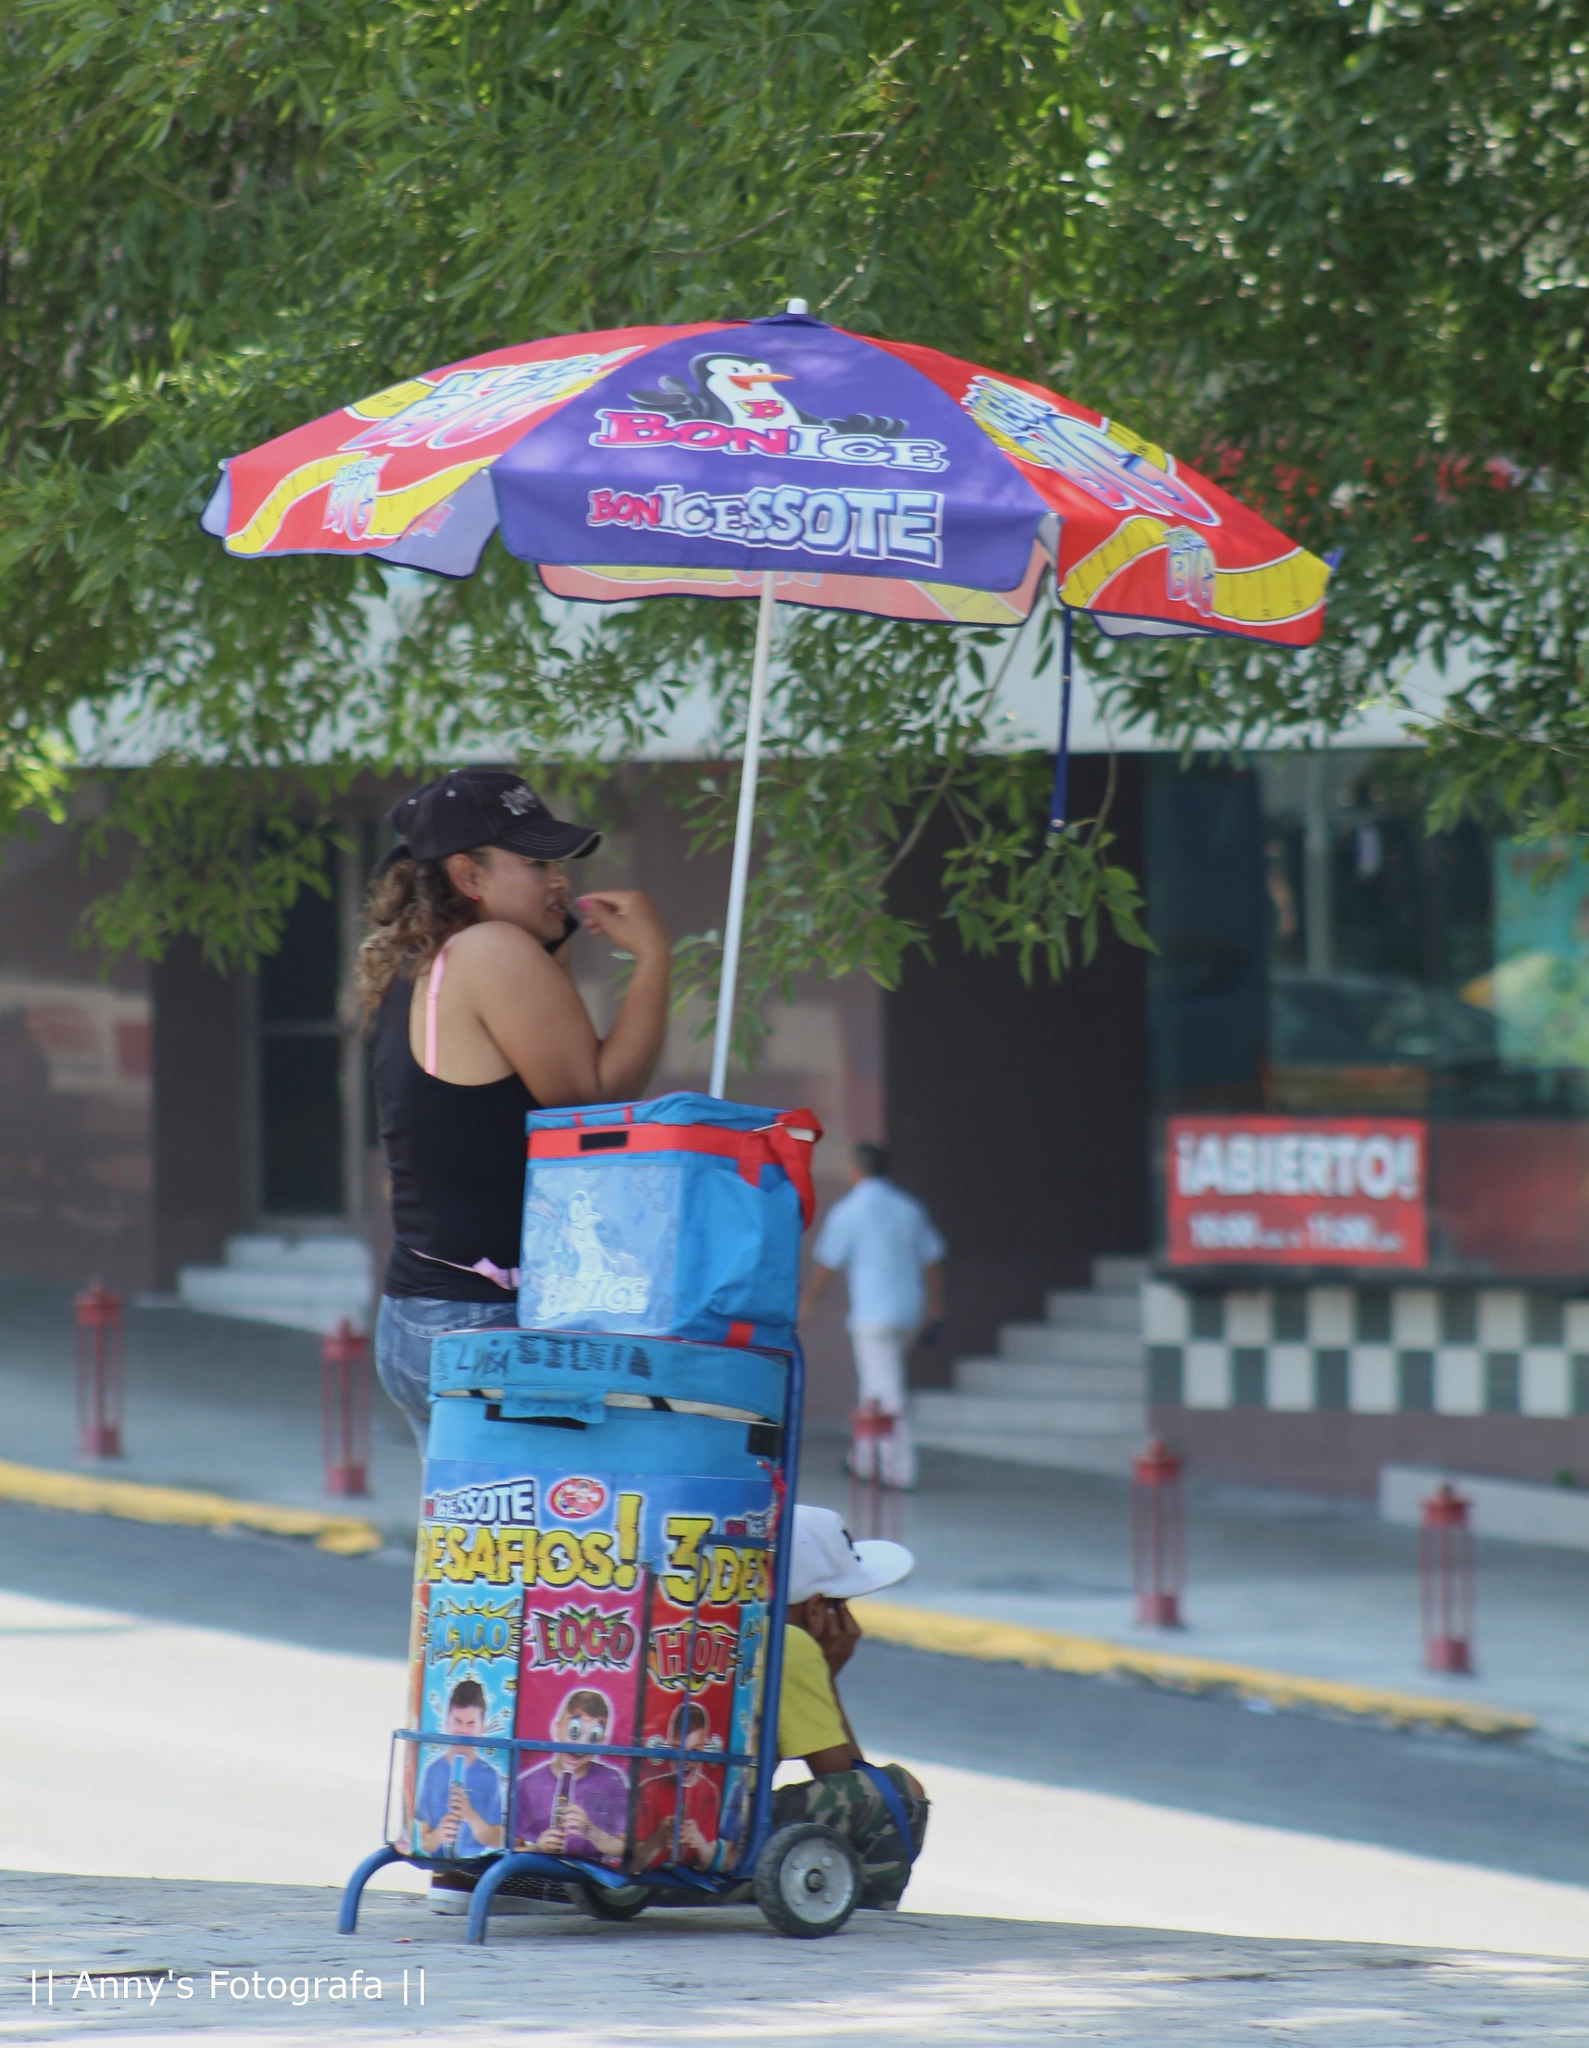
<point x="602" y="1580"/>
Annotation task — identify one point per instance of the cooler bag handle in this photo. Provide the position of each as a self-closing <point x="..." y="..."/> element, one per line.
<point x="790" y="1142"/>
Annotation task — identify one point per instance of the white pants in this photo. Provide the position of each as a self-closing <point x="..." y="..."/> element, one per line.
<point x="880" y="1350"/>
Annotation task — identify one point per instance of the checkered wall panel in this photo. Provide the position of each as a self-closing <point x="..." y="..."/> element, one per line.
<point x="1372" y="1350"/>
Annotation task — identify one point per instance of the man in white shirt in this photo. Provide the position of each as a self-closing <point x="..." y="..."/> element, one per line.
<point x="885" y="1245"/>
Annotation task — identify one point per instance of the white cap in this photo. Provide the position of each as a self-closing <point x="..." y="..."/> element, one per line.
<point x="798" y="306"/>
<point x="826" y="1561"/>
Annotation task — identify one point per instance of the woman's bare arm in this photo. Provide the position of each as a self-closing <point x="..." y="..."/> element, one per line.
<point x="631" y="1049"/>
<point x="510" y="997"/>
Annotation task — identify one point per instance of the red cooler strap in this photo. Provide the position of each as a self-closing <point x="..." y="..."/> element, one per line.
<point x="791" y="1141"/>
<point x="786" y="1143"/>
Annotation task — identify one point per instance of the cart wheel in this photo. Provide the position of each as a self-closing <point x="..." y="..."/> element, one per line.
<point x="807" y="1880"/>
<point x="612" y="1902"/>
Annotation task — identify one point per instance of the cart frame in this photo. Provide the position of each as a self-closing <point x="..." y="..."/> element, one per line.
<point x="709" y="1886"/>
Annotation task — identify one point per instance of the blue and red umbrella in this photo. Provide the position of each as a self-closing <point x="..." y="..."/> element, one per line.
<point x="782" y="459"/>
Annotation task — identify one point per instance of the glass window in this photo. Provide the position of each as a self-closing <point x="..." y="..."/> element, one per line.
<point x="1210" y="916"/>
<point x="1321" y="954"/>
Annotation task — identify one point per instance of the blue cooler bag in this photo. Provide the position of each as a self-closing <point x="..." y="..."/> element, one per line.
<point x="674" y="1218"/>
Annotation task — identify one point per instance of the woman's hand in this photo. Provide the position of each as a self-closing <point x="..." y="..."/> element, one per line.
<point x="629" y="918"/>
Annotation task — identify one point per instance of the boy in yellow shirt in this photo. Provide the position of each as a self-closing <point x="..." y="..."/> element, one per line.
<point x="826" y="1570"/>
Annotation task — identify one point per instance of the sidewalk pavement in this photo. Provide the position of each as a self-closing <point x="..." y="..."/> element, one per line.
<point x="274" y="1772"/>
<point x="886" y="1981"/>
<point x="1284" y="1582"/>
<point x="212" y="1402"/>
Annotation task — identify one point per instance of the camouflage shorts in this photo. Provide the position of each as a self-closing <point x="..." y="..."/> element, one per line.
<point x="849" y="1803"/>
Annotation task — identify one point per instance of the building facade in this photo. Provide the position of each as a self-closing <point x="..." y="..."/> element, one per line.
<point x="1370" y="1128"/>
<point x="1341" y="1113"/>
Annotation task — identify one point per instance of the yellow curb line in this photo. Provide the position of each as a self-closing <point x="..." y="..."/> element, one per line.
<point x="1002" y="1642"/>
<point x="916" y="1628"/>
<point x="346" y="1535"/>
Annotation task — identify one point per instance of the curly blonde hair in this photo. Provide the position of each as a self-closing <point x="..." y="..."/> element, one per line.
<point x="410" y="913"/>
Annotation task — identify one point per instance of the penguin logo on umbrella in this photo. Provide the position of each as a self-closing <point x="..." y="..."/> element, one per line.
<point x="742" y="391"/>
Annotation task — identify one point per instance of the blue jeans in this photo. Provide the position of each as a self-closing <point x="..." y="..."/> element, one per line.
<point x="405" y="1330"/>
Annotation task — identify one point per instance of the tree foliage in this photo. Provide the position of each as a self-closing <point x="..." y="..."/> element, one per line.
<point x="1330" y="252"/>
<point x="225" y="220"/>
<point x="1358" y="254"/>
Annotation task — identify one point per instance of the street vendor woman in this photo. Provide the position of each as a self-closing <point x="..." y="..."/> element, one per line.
<point x="464" y="971"/>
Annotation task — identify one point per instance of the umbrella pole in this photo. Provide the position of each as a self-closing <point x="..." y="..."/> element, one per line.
<point x="1059" y="803"/>
<point x="744" y="831"/>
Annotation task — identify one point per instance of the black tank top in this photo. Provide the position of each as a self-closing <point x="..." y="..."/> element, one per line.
<point x="456" y="1158"/>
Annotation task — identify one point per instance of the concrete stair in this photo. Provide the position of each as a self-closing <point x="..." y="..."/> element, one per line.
<point x="1070" y="1391"/>
<point x="305" y="1283"/>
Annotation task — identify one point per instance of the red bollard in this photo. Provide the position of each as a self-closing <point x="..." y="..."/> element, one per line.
<point x="100" y="1379"/>
<point x="1445" y="1560"/>
<point x="345" y="1410"/>
<point x="874" y="1509"/>
<point x="1158" y="1547"/>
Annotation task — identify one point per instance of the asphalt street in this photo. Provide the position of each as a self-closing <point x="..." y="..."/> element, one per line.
<point x="1493" y="1805"/>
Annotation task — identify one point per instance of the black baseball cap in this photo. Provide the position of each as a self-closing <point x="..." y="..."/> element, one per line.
<point x="473" y="807"/>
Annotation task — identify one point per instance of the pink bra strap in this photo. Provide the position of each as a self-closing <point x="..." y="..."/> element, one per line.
<point x="432" y="997"/>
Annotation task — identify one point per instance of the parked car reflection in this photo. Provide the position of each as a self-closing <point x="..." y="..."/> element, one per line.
<point x="1373" y="1020"/>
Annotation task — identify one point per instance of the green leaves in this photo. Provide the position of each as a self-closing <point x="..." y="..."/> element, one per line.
<point x="220" y="856"/>
<point x="1335" y="256"/>
<point x="225" y="221"/>
<point x="875" y="729"/>
<point x="1359" y="274"/>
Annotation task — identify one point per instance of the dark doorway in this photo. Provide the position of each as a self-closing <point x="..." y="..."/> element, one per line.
<point x="1016" y="1112"/>
<point x="300" y="1062"/>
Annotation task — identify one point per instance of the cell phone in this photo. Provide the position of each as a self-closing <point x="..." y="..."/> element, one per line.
<point x="570" y="926"/>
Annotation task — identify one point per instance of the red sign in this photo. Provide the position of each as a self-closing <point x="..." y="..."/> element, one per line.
<point x="1298" y="1191"/>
